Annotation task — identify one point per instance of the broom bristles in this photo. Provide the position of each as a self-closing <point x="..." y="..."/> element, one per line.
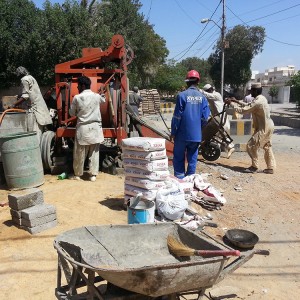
<point x="178" y="248"/>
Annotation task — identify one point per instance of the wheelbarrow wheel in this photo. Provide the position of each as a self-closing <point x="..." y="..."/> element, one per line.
<point x="210" y="151"/>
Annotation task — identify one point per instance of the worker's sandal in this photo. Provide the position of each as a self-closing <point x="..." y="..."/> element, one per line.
<point x="268" y="171"/>
<point x="251" y="170"/>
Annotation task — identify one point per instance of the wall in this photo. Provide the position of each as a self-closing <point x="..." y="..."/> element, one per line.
<point x="283" y="94"/>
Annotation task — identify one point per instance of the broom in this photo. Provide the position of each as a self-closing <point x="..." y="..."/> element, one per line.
<point x="179" y="249"/>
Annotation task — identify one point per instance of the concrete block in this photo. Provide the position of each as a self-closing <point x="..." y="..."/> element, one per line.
<point x="38" y="211"/>
<point x="17" y="221"/>
<point x="25" y="199"/>
<point x="241" y="127"/>
<point x="40" y="228"/>
<point x="16" y="213"/>
<point x="38" y="221"/>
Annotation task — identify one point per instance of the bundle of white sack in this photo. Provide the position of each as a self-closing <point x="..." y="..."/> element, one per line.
<point x="146" y="166"/>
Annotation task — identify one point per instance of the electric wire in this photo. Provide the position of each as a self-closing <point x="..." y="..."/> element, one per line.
<point x="246" y="23"/>
<point x="196" y="40"/>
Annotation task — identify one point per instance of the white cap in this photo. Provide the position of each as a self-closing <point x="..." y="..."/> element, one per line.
<point x="207" y="87"/>
<point x="256" y="85"/>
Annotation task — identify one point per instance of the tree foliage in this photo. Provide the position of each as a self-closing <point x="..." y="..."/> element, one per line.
<point x="294" y="82"/>
<point x="244" y="44"/>
<point x="39" y="39"/>
<point x="273" y="92"/>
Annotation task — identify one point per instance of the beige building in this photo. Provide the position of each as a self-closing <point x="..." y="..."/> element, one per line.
<point x="277" y="76"/>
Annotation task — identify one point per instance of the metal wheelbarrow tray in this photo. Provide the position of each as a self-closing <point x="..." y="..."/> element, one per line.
<point x="136" y="257"/>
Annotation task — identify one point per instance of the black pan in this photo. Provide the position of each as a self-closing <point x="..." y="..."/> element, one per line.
<point x="242" y="238"/>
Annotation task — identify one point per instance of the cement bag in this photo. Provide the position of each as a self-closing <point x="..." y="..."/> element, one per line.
<point x="154" y="165"/>
<point x="170" y="201"/>
<point x="134" y="191"/>
<point x="143" y="155"/>
<point x="155" y="175"/>
<point x="143" y="144"/>
<point x="144" y="183"/>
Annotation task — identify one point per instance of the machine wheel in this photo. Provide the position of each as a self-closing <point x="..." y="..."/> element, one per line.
<point x="47" y="149"/>
<point x="210" y="151"/>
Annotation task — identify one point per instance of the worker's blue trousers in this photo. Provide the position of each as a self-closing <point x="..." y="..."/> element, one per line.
<point x="181" y="150"/>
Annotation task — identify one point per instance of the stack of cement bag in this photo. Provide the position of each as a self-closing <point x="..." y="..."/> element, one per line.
<point x="146" y="166"/>
<point x="29" y="212"/>
<point x="151" y="101"/>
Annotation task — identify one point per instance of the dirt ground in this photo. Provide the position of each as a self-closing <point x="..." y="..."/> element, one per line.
<point x="268" y="205"/>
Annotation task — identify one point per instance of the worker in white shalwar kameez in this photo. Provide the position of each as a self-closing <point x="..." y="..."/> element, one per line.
<point x="216" y="105"/>
<point x="89" y="134"/>
<point x="31" y="99"/>
<point x="263" y="129"/>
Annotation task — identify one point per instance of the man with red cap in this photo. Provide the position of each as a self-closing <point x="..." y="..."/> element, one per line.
<point x="190" y="114"/>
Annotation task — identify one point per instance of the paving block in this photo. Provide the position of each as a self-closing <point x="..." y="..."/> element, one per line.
<point x="40" y="228"/>
<point x="16" y="213"/>
<point x="25" y="199"/>
<point x="38" y="221"/>
<point x="38" y="211"/>
<point x="17" y="221"/>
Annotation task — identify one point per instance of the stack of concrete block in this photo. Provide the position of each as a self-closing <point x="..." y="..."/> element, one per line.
<point x="151" y="101"/>
<point x="29" y="212"/>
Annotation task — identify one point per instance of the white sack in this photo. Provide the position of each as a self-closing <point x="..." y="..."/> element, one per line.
<point x="143" y="155"/>
<point x="155" y="175"/>
<point x="134" y="191"/>
<point x="155" y="165"/>
<point x="144" y="183"/>
<point x="144" y="144"/>
<point x="170" y="201"/>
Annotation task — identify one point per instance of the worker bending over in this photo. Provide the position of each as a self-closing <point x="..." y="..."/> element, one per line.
<point x="190" y="114"/>
<point x="86" y="107"/>
<point x="31" y="100"/>
<point x="263" y="129"/>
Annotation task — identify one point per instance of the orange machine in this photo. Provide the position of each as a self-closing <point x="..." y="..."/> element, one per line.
<point x="108" y="73"/>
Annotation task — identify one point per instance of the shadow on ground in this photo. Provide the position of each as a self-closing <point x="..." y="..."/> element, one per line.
<point x="113" y="203"/>
<point x="287" y="131"/>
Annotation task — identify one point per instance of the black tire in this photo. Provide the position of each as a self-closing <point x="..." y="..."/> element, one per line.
<point x="47" y="149"/>
<point x="210" y="151"/>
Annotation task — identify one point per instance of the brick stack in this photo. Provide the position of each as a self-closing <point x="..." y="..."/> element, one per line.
<point x="151" y="101"/>
<point x="29" y="212"/>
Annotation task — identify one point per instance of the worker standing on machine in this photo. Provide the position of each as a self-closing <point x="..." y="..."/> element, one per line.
<point x="135" y="100"/>
<point x="31" y="100"/>
<point x="190" y="114"/>
<point x="89" y="134"/>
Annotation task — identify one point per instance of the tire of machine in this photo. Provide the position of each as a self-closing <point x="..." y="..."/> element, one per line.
<point x="47" y="149"/>
<point x="210" y="151"/>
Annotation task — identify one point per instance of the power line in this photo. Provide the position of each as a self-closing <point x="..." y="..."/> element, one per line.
<point x="148" y="15"/>
<point x="197" y="38"/>
<point x="246" y="23"/>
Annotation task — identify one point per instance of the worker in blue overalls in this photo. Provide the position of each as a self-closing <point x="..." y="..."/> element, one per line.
<point x="190" y="114"/>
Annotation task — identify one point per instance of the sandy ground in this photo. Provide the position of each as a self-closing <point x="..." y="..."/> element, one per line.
<point x="268" y="205"/>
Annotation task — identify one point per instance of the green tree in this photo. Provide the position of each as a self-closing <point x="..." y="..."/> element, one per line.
<point x="294" y="82"/>
<point x="169" y="78"/>
<point x="273" y="92"/>
<point x="200" y="65"/>
<point x="149" y="48"/>
<point x="244" y="44"/>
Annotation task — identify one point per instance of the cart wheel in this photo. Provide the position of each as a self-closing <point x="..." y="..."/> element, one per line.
<point x="47" y="149"/>
<point x="210" y="151"/>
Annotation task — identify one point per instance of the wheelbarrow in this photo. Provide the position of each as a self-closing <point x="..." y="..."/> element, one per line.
<point x="136" y="258"/>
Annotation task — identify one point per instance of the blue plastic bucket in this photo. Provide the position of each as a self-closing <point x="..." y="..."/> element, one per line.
<point x="141" y="213"/>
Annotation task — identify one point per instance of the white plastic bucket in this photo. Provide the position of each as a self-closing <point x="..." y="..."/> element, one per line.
<point x="141" y="213"/>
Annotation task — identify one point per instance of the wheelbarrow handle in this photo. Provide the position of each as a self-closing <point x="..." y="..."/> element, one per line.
<point x="211" y="253"/>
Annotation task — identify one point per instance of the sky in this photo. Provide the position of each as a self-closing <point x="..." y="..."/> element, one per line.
<point x="179" y="23"/>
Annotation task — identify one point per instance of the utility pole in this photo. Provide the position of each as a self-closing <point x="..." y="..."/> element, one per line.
<point x="223" y="48"/>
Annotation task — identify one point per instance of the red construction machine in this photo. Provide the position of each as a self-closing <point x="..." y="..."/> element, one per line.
<point x="108" y="73"/>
